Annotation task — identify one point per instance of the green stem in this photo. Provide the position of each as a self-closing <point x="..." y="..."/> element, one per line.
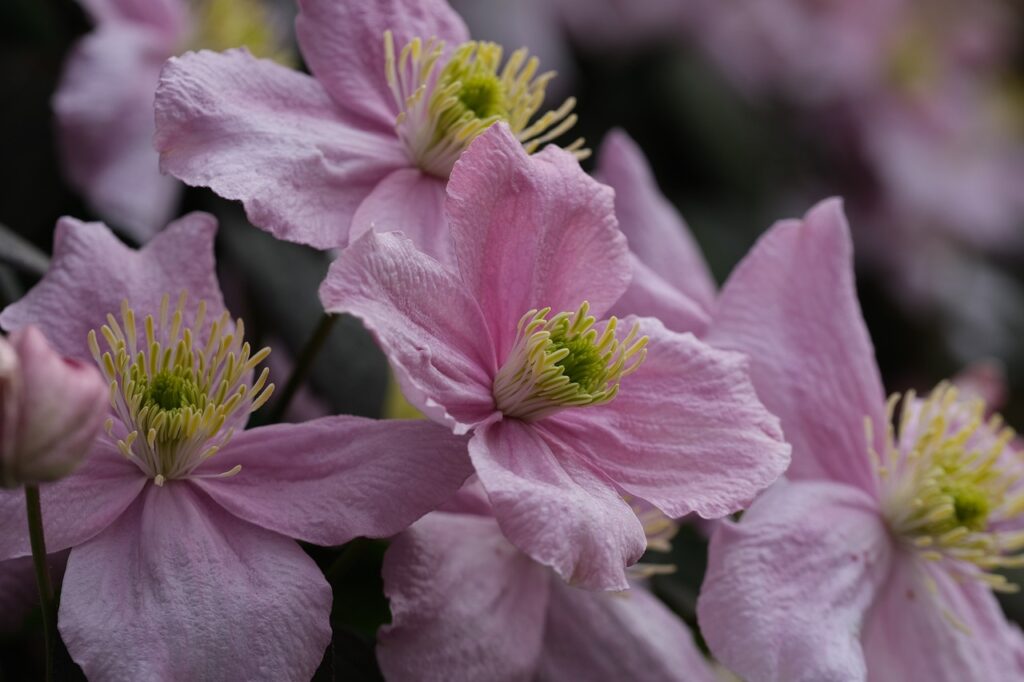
<point x="38" y="541"/>
<point x="302" y="367"/>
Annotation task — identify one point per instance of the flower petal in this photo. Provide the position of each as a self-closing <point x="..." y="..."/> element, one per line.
<point x="686" y="431"/>
<point x="104" y="109"/>
<point x="607" y="637"/>
<point x="911" y="634"/>
<point x="18" y="592"/>
<point x="180" y="589"/>
<point x="649" y="295"/>
<point x="329" y="480"/>
<point x="92" y="272"/>
<point x="791" y="305"/>
<point x="788" y="587"/>
<point x="554" y="507"/>
<point x="169" y="17"/>
<point x="532" y="231"/>
<point x="655" y="230"/>
<point x="253" y="130"/>
<point x="465" y="604"/>
<point x="411" y="202"/>
<point x="74" y="508"/>
<point x="427" y="323"/>
<point x="343" y="44"/>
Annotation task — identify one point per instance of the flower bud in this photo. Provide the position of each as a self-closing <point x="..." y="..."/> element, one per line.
<point x="51" y="409"/>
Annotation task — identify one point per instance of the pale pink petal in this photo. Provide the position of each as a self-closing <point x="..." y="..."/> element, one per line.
<point x="792" y="306"/>
<point x="329" y="480"/>
<point x="655" y="230"/>
<point x="427" y="323"/>
<point x="532" y="231"/>
<point x="686" y="431"/>
<point x="343" y="44"/>
<point x="18" y="591"/>
<point x="180" y="589"/>
<point x="608" y="637"/>
<point x="104" y="110"/>
<point x="554" y="507"/>
<point x="411" y="202"/>
<point x="649" y="295"/>
<point x="92" y="272"/>
<point x="787" y="589"/>
<point x="74" y="508"/>
<point x="168" y="17"/>
<point x="951" y="631"/>
<point x="465" y="604"/>
<point x="253" y="130"/>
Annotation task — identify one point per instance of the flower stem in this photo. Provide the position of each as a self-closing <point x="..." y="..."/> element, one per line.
<point x="302" y="367"/>
<point x="38" y="541"/>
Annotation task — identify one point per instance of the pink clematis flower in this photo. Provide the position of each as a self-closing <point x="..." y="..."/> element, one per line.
<point x="180" y="522"/>
<point x="398" y="92"/>
<point x="875" y="561"/>
<point x="565" y="411"/>
<point x="104" y="104"/>
<point x="467" y="605"/>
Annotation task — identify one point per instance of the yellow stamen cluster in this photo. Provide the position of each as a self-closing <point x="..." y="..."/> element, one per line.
<point x="179" y="399"/>
<point x="947" y="482"/>
<point x="563" y="362"/>
<point x="446" y="104"/>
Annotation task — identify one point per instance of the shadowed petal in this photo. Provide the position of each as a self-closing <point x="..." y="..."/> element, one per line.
<point x="649" y="295"/>
<point x="180" y="589"/>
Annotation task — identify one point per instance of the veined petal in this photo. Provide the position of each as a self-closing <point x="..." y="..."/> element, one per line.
<point x="256" y="131"/>
<point x="787" y="588"/>
<point x="791" y="305"/>
<point x="329" y="480"/>
<point x="554" y="507"/>
<point x="180" y="589"/>
<point x="465" y="604"/>
<point x="649" y="295"/>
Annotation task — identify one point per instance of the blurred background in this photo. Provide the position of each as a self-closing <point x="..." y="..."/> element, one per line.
<point x="749" y="112"/>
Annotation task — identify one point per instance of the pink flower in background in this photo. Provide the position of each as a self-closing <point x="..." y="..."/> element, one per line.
<point x="875" y="561"/>
<point x="368" y="142"/>
<point x="565" y="411"/>
<point x="51" y="409"/>
<point x="104" y="104"/>
<point x="180" y="522"/>
<point x="467" y="605"/>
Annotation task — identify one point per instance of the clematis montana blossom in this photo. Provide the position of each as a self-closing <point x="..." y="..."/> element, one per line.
<point x="565" y="411"/>
<point x="892" y="531"/>
<point x="180" y="522"/>
<point x="398" y="91"/>
<point x="467" y="605"/>
<point x="104" y="104"/>
<point x="51" y="409"/>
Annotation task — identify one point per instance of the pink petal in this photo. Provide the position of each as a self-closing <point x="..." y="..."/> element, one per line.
<point x="411" y="202"/>
<point x="608" y="637"/>
<point x="465" y="604"/>
<point x="649" y="295"/>
<point x="788" y="588"/>
<point x="18" y="592"/>
<point x="792" y="306"/>
<point x="92" y="272"/>
<point x="532" y="231"/>
<point x="329" y="480"/>
<point x="343" y="44"/>
<point x="74" y="508"/>
<point x="655" y="230"/>
<point x="554" y="507"/>
<point x="910" y="634"/>
<point x="253" y="130"/>
<point x="168" y="17"/>
<point x="686" y="431"/>
<point x="180" y="589"/>
<point x="427" y="323"/>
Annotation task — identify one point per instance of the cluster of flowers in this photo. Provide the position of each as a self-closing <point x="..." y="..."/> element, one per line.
<point x="583" y="381"/>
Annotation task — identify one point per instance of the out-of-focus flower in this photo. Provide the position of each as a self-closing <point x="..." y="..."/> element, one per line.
<point x="368" y="144"/>
<point x="180" y="521"/>
<point x="467" y="605"/>
<point x="565" y="411"/>
<point x="893" y="531"/>
<point x="104" y="104"/>
<point x="51" y="409"/>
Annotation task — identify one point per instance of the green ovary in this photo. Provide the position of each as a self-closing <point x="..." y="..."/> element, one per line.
<point x="173" y="390"/>
<point x="970" y="507"/>
<point x="584" y="365"/>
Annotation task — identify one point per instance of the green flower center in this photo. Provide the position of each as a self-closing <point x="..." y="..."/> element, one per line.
<point x="173" y="390"/>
